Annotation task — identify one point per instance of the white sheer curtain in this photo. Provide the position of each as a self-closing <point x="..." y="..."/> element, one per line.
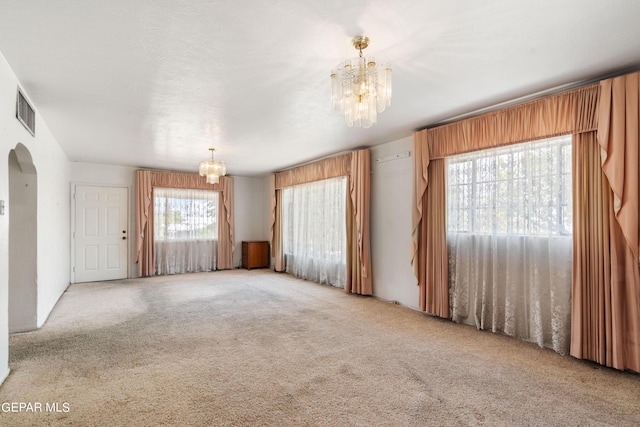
<point x="185" y="230"/>
<point x="509" y="225"/>
<point x="314" y="230"/>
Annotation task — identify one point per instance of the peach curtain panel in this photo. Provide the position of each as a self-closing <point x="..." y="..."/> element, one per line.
<point x="277" y="245"/>
<point x="429" y="236"/>
<point x="316" y="171"/>
<point x="356" y="166"/>
<point x="225" y="224"/>
<point x="272" y="208"/>
<point x="420" y="183"/>
<point x="359" y="279"/>
<point x="606" y="279"/>
<point x="569" y="112"/>
<point x="144" y="232"/>
<point x="606" y="305"/>
<point x="433" y="264"/>
<point x="276" y="226"/>
<point x="618" y="134"/>
<point x="146" y="180"/>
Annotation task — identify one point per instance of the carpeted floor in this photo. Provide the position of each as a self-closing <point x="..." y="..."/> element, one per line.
<point x="260" y="348"/>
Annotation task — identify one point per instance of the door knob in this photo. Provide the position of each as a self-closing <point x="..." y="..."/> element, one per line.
<point x="124" y="238"/>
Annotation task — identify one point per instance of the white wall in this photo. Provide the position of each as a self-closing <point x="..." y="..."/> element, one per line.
<point x="109" y="176"/>
<point x="391" y="184"/>
<point x="52" y="168"/>
<point x="249" y="213"/>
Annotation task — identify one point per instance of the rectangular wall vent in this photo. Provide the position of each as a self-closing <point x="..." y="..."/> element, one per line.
<point x="25" y="113"/>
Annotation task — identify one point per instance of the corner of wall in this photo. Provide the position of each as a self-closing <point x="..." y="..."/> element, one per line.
<point x="4" y="375"/>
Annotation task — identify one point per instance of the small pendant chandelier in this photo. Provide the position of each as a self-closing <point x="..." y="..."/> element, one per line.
<point x="361" y="87"/>
<point x="212" y="170"/>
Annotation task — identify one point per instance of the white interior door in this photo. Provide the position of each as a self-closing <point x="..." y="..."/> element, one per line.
<point x="101" y="234"/>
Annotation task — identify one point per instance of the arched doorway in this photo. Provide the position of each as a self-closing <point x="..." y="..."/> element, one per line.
<point x="22" y="207"/>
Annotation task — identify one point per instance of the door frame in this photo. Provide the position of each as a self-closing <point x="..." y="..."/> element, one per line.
<point x="130" y="224"/>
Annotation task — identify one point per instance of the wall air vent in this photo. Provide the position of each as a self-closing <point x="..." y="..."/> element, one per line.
<point x="25" y="113"/>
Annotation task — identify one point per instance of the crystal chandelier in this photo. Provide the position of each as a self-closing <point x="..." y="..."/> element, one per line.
<point x="212" y="170"/>
<point x="361" y="87"/>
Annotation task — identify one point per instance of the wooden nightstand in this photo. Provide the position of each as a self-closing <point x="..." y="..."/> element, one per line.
<point x="255" y="255"/>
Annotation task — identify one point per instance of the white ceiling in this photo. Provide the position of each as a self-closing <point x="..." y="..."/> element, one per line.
<point x="156" y="83"/>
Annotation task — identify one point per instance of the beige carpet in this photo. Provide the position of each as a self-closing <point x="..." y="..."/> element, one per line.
<point x="260" y="348"/>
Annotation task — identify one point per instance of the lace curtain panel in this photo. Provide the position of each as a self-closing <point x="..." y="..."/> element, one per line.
<point x="509" y="225"/>
<point x="185" y="230"/>
<point x="314" y="230"/>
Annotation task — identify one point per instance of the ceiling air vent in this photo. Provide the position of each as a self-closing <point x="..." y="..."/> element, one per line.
<point x="25" y="113"/>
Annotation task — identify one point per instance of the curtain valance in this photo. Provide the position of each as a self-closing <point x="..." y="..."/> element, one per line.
<point x="316" y="171"/>
<point x="183" y="180"/>
<point x="570" y="112"/>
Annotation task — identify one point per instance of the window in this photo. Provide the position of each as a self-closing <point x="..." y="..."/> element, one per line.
<point x="185" y="230"/>
<point x="314" y="230"/>
<point x="509" y="226"/>
<point x="519" y="189"/>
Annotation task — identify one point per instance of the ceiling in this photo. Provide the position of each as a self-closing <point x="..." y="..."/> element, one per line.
<point x="155" y="83"/>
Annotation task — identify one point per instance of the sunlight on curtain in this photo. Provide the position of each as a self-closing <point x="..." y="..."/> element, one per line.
<point x="314" y="230"/>
<point x="509" y="237"/>
<point x="185" y="230"/>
